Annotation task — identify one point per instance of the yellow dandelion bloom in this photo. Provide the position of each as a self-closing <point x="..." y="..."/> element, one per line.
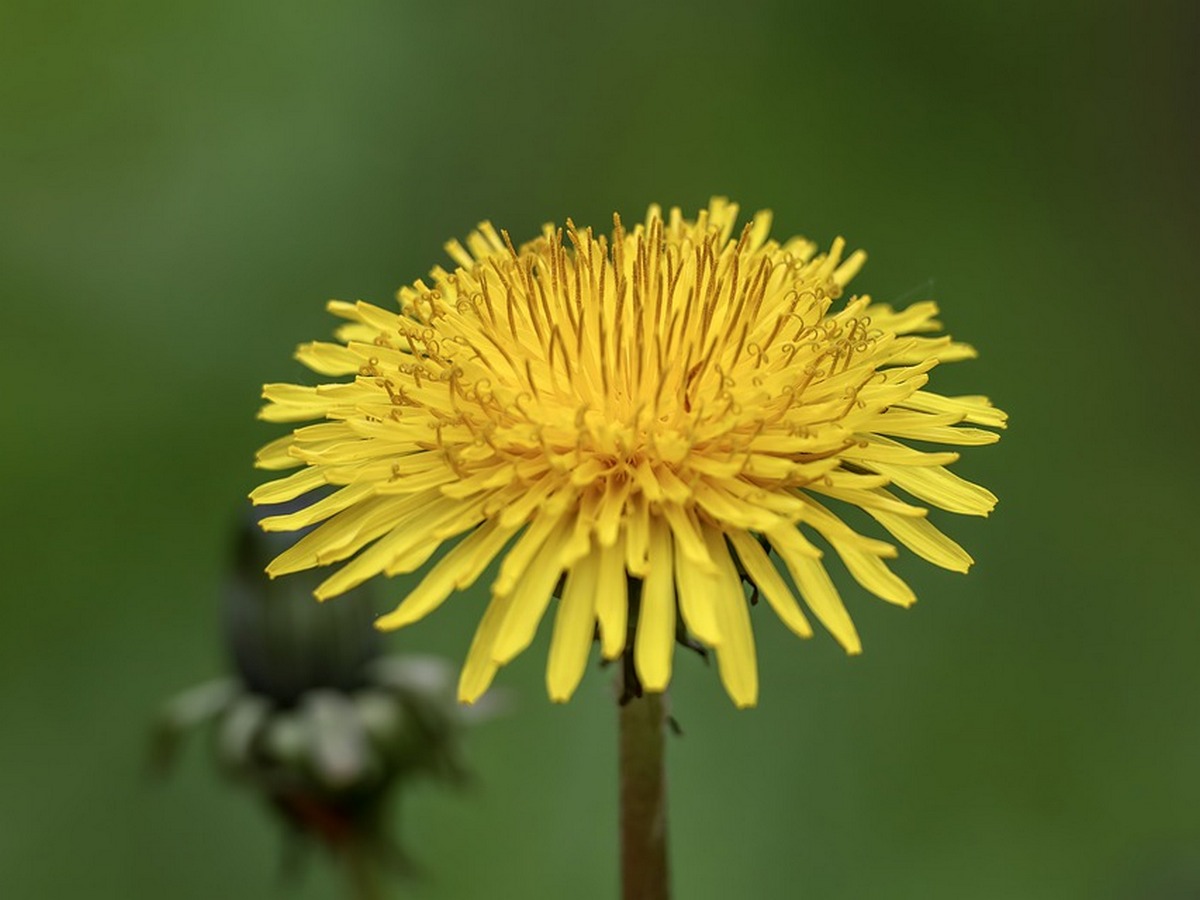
<point x="636" y="425"/>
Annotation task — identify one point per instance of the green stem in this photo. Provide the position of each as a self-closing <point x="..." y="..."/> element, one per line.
<point x="644" y="870"/>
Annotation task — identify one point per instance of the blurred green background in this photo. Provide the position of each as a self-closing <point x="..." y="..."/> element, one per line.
<point x="183" y="185"/>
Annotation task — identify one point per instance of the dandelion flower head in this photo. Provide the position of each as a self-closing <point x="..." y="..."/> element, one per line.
<point x="635" y="427"/>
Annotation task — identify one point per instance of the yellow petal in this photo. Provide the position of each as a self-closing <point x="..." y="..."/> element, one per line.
<point x="732" y="510"/>
<point x="283" y="489"/>
<point x="847" y="270"/>
<point x="923" y="539"/>
<point x="872" y="573"/>
<point x="612" y="600"/>
<point x="637" y="537"/>
<point x="527" y="501"/>
<point x="277" y="455"/>
<point x="696" y="589"/>
<point x="524" y="550"/>
<point x="319" y="511"/>
<point x="440" y="582"/>
<point x="736" y="658"/>
<point x="580" y="541"/>
<point x="531" y="596"/>
<point x="975" y="409"/>
<point x="655" y="642"/>
<point x="688" y="540"/>
<point x="871" y="500"/>
<point x="941" y="487"/>
<point x="479" y="668"/>
<point x="915" y="317"/>
<point x="574" y="630"/>
<point x="328" y="359"/>
<point x="875" y="448"/>
<point x="612" y="507"/>
<point x="409" y="544"/>
<point x="818" y="592"/>
<point x="764" y="574"/>
<point x="344" y="534"/>
<point x="417" y="482"/>
<point x="491" y="540"/>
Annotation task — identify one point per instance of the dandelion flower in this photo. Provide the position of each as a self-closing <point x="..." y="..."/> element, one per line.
<point x="636" y="425"/>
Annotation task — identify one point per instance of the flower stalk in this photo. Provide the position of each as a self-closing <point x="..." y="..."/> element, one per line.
<point x="645" y="872"/>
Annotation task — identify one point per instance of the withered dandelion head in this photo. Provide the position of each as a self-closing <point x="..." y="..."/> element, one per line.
<point x="645" y="421"/>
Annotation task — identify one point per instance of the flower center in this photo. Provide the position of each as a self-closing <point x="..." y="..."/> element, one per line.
<point x="669" y="346"/>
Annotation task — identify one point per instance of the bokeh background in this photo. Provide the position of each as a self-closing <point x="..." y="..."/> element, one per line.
<point x="183" y="185"/>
